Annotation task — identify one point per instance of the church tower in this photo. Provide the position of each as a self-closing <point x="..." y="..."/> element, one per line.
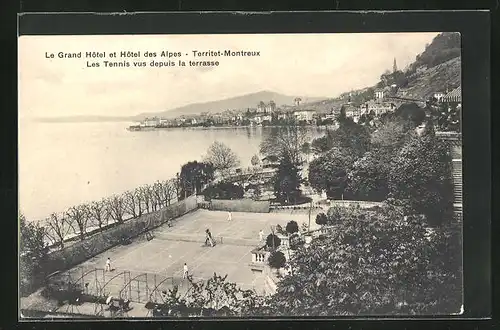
<point x="394" y="66"/>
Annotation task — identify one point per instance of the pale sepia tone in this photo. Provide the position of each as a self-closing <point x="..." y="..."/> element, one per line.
<point x="141" y="188"/>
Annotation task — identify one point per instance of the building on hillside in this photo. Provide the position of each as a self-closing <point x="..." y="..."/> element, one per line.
<point x="438" y="96"/>
<point x="378" y="108"/>
<point x="379" y="93"/>
<point x="218" y="119"/>
<point x="151" y="122"/>
<point x="261" y="108"/>
<point x="403" y="92"/>
<point x="270" y="108"/>
<point x="283" y="115"/>
<point x="304" y="115"/>
<point x="266" y="118"/>
<point x="257" y="120"/>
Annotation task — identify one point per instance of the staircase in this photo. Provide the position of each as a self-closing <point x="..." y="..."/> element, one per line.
<point x="457" y="187"/>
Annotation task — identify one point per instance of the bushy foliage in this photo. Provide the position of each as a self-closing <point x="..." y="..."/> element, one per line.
<point x="286" y="181"/>
<point x="276" y="260"/>
<point x="329" y="172"/>
<point x="33" y="254"/>
<point x="292" y="227"/>
<point x="374" y="263"/>
<point x="272" y="241"/>
<point x="214" y="297"/>
<point x="285" y="142"/>
<point x="421" y="177"/>
<point x="321" y="219"/>
<point x="368" y="178"/>
<point x="255" y="160"/>
<point x="224" y="190"/>
<point x="194" y="175"/>
<point x="411" y="112"/>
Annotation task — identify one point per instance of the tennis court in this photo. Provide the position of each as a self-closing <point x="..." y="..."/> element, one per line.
<point x="158" y="262"/>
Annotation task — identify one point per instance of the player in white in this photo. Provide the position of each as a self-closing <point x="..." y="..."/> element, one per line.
<point x="261" y="235"/>
<point x="108" y="265"/>
<point x="229" y="216"/>
<point x="185" y="271"/>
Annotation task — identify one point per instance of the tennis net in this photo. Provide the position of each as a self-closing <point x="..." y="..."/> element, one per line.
<point x="201" y="239"/>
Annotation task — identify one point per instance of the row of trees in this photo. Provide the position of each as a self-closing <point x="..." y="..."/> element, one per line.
<point x="115" y="209"/>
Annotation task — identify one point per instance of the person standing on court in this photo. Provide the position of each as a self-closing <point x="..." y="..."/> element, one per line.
<point x="229" y="216"/>
<point x="185" y="271"/>
<point x="261" y="235"/>
<point x="210" y="239"/>
<point x="108" y="265"/>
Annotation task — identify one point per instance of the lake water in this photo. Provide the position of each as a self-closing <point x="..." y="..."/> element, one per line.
<point x="66" y="164"/>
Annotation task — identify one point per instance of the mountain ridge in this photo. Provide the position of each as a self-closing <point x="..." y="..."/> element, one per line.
<point x="239" y="102"/>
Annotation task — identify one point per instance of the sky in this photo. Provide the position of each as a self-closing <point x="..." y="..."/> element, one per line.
<point x="312" y="65"/>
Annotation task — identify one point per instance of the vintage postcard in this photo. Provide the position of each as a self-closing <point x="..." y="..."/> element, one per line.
<point x="240" y="175"/>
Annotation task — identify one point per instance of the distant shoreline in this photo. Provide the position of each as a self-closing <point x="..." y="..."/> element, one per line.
<point x="219" y="127"/>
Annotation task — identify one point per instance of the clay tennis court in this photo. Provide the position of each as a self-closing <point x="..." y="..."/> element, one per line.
<point x="157" y="264"/>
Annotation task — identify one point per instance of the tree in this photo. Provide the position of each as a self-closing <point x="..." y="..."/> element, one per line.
<point x="297" y="101"/>
<point x="292" y="227"/>
<point x="272" y="241"/>
<point x="376" y="263"/>
<point x="368" y="178"/>
<point x="168" y="191"/>
<point x="286" y="181"/>
<point x="194" y="175"/>
<point x="100" y="213"/>
<point x="411" y="112"/>
<point x="214" y="297"/>
<point x="257" y="192"/>
<point x="391" y="135"/>
<point x="80" y="216"/>
<point x="33" y="252"/>
<point x="255" y="160"/>
<point x="116" y="207"/>
<point x="322" y="144"/>
<point x="58" y="228"/>
<point x="329" y="172"/>
<point x="351" y="137"/>
<point x="285" y="141"/>
<point x="447" y="117"/>
<point x="224" y="190"/>
<point x="221" y="157"/>
<point x="277" y="260"/>
<point x="133" y="201"/>
<point x="421" y="176"/>
<point x="306" y="149"/>
<point x="321" y="219"/>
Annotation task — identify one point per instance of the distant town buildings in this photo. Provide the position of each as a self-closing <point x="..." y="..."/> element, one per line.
<point x="304" y="115"/>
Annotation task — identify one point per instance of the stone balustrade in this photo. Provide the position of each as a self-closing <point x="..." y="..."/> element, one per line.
<point x="259" y="255"/>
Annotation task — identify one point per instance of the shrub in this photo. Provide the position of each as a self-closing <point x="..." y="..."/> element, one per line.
<point x="375" y="263"/>
<point x="224" y="190"/>
<point x="276" y="260"/>
<point x="292" y="227"/>
<point x="321" y="219"/>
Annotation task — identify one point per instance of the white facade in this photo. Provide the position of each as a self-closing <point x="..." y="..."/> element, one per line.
<point x="438" y="96"/>
<point x="379" y="94"/>
<point x="303" y="115"/>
